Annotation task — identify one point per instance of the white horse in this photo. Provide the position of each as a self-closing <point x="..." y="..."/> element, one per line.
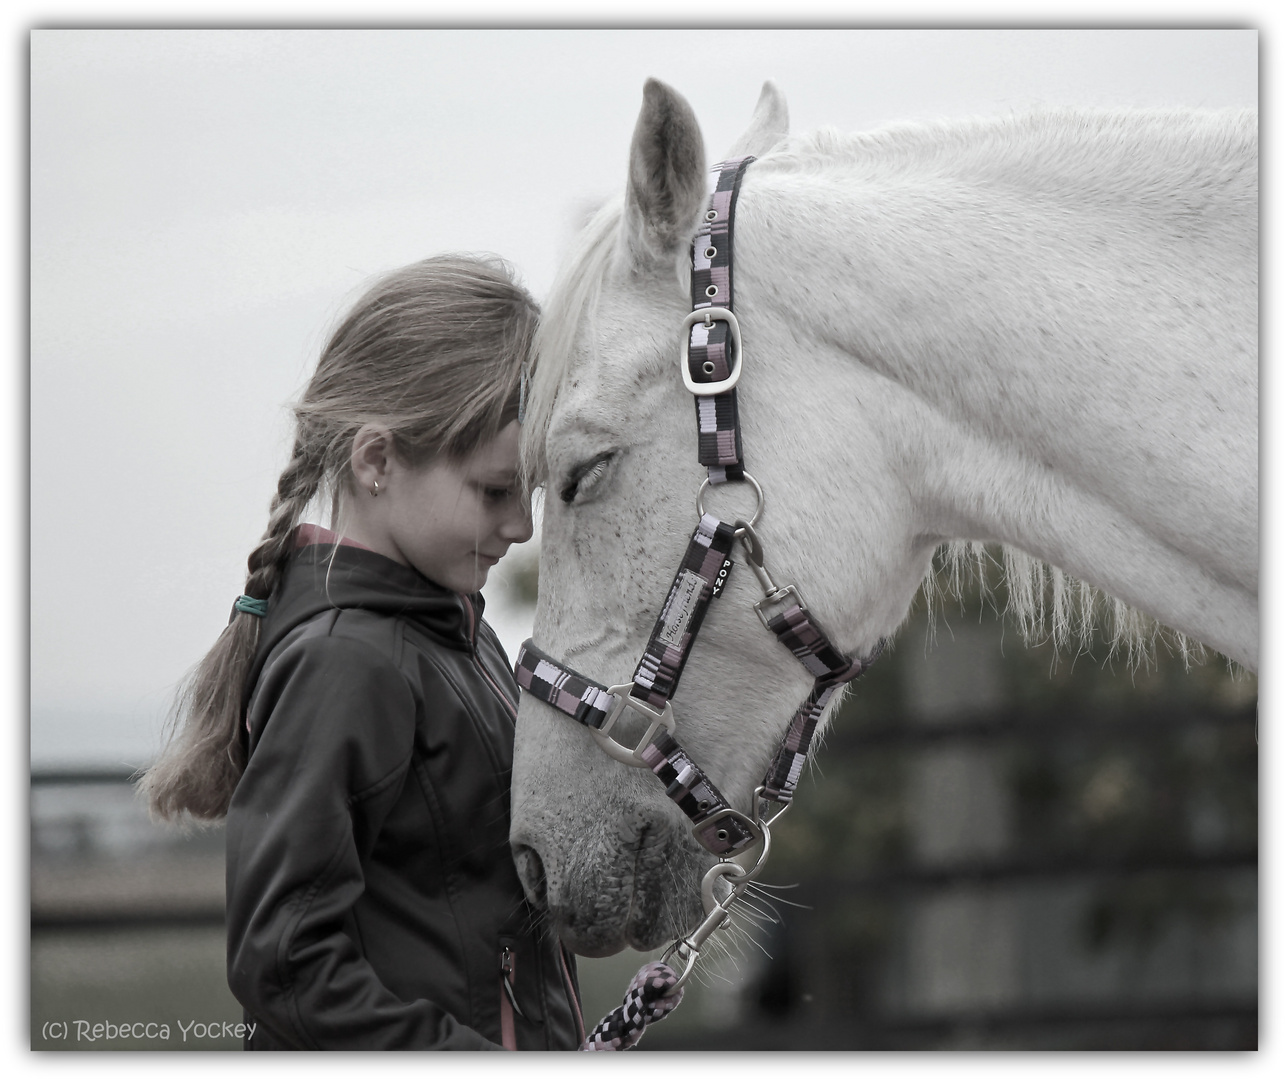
<point x="1039" y="332"/>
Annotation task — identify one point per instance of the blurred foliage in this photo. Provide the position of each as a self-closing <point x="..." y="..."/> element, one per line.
<point x="1191" y="788"/>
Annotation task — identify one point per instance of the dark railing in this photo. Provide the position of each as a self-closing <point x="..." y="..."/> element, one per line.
<point x="85" y="877"/>
<point x="1229" y="1020"/>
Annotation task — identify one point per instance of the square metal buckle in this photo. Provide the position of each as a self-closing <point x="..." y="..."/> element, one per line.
<point x="753" y="828"/>
<point x="776" y="598"/>
<point x="622" y="753"/>
<point x="710" y="315"/>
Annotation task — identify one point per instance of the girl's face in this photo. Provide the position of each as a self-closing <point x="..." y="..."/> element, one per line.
<point x="452" y="521"/>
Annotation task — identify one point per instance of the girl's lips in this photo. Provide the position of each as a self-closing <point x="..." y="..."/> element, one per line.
<point x="484" y="557"/>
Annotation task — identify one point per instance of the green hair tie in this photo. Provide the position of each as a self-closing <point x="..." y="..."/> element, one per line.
<point x="251" y="606"/>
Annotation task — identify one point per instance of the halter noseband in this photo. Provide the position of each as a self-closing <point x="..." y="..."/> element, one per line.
<point x="711" y="364"/>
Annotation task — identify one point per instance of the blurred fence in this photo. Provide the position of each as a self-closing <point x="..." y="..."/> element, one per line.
<point x="1147" y="942"/>
<point x="1003" y="848"/>
<point x="127" y="940"/>
<point x="997" y="848"/>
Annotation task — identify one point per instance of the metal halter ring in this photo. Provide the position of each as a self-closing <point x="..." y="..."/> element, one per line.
<point x="759" y="494"/>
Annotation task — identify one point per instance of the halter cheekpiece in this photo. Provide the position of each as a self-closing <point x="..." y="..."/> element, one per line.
<point x="711" y="363"/>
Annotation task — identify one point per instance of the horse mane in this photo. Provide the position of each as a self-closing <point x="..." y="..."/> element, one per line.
<point x="1048" y="605"/>
<point x="1193" y="151"/>
<point x="1045" y="603"/>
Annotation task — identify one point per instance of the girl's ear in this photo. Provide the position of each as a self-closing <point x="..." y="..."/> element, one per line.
<point x="371" y="457"/>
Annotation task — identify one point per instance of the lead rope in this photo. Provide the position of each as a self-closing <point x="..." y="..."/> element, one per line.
<point x="649" y="997"/>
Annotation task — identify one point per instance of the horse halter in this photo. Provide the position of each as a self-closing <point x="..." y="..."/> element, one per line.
<point x="711" y="364"/>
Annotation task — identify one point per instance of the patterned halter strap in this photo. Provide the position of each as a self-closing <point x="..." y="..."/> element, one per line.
<point x="711" y="364"/>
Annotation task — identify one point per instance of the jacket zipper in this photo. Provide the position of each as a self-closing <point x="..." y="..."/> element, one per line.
<point x="572" y="997"/>
<point x="508" y="959"/>
<point x="508" y="999"/>
<point x="473" y="641"/>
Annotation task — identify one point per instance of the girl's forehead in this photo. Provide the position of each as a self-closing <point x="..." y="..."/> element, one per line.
<point x="498" y="457"/>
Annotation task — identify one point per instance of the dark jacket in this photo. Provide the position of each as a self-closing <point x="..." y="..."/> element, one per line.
<point x="371" y="892"/>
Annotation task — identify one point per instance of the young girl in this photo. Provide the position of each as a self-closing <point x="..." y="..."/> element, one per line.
<point x="355" y="720"/>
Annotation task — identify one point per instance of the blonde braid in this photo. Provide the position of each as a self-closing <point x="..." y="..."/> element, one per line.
<point x="298" y="484"/>
<point x="201" y="765"/>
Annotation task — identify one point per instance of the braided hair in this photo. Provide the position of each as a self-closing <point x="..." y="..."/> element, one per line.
<point x="433" y="353"/>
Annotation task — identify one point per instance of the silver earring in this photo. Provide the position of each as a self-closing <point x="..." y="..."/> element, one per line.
<point x="375" y="487"/>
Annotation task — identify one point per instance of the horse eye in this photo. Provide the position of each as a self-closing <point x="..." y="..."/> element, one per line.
<point x="585" y="475"/>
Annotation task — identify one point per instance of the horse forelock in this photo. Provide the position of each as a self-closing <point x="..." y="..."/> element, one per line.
<point x="599" y="253"/>
<point x="571" y="298"/>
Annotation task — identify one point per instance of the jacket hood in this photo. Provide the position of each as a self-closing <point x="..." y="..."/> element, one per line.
<point x="327" y="572"/>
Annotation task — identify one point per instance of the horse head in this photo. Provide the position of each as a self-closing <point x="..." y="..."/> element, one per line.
<point x="612" y="436"/>
<point x="980" y="332"/>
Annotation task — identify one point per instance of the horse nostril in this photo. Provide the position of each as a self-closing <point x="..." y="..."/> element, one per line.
<point x="531" y="872"/>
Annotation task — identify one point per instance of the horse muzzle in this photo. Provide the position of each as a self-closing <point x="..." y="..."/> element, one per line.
<point x="629" y="881"/>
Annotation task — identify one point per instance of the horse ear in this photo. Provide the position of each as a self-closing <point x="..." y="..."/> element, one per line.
<point x="768" y="127"/>
<point x="666" y="190"/>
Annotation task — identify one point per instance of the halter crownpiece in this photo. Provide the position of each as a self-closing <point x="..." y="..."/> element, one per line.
<point x="711" y="364"/>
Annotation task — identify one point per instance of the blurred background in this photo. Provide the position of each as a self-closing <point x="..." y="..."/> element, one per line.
<point x="998" y="847"/>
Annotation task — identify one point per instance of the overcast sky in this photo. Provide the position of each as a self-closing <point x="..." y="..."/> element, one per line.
<point x="205" y="203"/>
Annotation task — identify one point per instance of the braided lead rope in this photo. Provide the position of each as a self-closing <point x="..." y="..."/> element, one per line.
<point x="718" y="425"/>
<point x="645" y="1003"/>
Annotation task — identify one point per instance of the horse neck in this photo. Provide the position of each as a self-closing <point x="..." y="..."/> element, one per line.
<point x="1075" y="378"/>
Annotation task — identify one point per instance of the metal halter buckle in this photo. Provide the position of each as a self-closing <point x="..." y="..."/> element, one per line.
<point x="750" y="826"/>
<point x="777" y="597"/>
<point x="709" y="316"/>
<point x="718" y="913"/>
<point x="622" y="753"/>
<point x="773" y="594"/>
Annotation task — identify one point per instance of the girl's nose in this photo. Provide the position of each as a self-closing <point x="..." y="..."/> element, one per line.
<point x="517" y="527"/>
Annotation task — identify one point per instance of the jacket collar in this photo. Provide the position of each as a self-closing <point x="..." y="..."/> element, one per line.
<point x="329" y="571"/>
